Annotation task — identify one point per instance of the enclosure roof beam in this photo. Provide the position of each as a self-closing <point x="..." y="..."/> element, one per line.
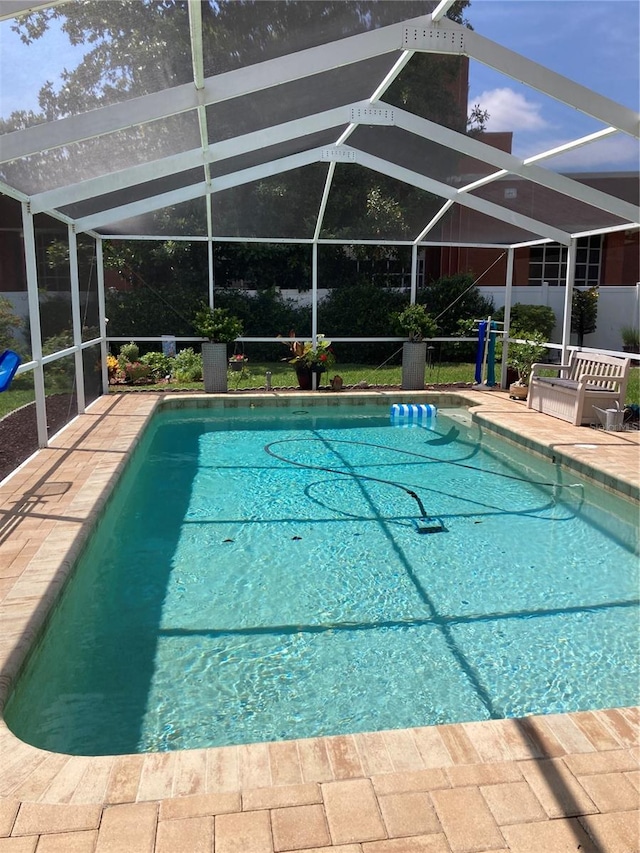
<point x="502" y="160"/>
<point x="271" y="168"/>
<point x="441" y="9"/>
<point x="445" y="191"/>
<point x="219" y="88"/>
<point x="199" y="190"/>
<point x="124" y="178"/>
<point x="256" y="140"/>
<point x="15" y="8"/>
<point x="195" y="32"/>
<point x="242" y="81"/>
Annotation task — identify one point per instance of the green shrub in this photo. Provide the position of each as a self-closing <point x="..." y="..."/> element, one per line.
<point x="363" y="309"/>
<point x="187" y="366"/>
<point x="415" y="323"/>
<point x="9" y="325"/>
<point x="161" y="365"/>
<point x="534" y="318"/>
<point x="453" y="298"/>
<point x="128" y="353"/>
<point x="60" y="374"/>
<point x="217" y="324"/>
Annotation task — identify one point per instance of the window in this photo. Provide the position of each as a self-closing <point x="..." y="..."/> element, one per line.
<point x="549" y="262"/>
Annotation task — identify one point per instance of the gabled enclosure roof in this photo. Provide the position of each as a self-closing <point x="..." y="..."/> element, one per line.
<point x="291" y="121"/>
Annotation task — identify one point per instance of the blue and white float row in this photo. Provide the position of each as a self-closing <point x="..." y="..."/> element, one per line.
<point x="413" y="414"/>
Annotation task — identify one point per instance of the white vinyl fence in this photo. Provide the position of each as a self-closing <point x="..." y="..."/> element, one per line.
<point x="617" y="307"/>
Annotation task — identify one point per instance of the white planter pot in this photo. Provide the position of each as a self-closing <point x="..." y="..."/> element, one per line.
<point x="214" y="367"/>
<point x="414" y="360"/>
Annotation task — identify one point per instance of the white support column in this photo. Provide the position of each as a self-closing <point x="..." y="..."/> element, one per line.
<point x="76" y="318"/>
<point x="102" y="319"/>
<point x="314" y="305"/>
<point x="414" y="273"/>
<point x="210" y="248"/>
<point x="568" y="299"/>
<point x="29" y="240"/>
<point x="508" y="293"/>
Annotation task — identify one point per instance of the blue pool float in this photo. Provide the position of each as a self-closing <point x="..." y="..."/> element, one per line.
<point x="410" y="414"/>
<point x="9" y="363"/>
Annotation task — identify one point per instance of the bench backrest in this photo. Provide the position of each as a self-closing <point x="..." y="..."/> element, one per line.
<point x="607" y="367"/>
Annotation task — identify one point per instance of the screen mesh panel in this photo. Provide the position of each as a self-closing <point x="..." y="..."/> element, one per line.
<point x="88" y="286"/>
<point x="271" y="153"/>
<point x="136" y="192"/>
<point x="123" y="50"/>
<point x="102" y="155"/>
<point x="179" y="220"/>
<point x="545" y="205"/>
<point x="433" y="87"/>
<point x="464" y="226"/>
<point x="367" y="205"/>
<point x="91" y="363"/>
<point x="240" y="34"/>
<point x="298" y="98"/>
<point x="283" y="206"/>
<point x="60" y="389"/>
<point x="54" y="283"/>
<point x="625" y="186"/>
<point x="421" y="155"/>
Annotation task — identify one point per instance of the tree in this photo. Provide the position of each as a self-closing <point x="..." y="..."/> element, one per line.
<point x="584" y="312"/>
<point x="133" y="49"/>
<point x="10" y="324"/>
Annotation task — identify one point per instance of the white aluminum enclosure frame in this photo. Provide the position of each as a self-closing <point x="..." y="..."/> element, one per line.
<point x="433" y="33"/>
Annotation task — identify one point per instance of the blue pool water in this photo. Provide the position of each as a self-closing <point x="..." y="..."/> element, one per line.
<point x="264" y="577"/>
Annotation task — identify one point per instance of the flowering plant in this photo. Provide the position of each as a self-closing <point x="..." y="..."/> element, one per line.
<point x="137" y="373"/>
<point x="305" y="354"/>
<point x="112" y="367"/>
<point x="238" y="357"/>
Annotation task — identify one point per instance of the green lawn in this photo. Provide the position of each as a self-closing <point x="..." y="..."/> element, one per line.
<point x="282" y="375"/>
<point x="19" y="394"/>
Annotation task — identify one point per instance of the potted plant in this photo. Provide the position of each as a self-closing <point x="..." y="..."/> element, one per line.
<point x="521" y="357"/>
<point x="630" y="339"/>
<point x="220" y="328"/>
<point x="308" y="359"/>
<point x="417" y="324"/>
<point x="237" y="361"/>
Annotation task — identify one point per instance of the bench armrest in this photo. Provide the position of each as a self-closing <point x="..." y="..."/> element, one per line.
<point x="541" y="365"/>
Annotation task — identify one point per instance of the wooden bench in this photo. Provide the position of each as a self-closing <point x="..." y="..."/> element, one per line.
<point x="588" y="380"/>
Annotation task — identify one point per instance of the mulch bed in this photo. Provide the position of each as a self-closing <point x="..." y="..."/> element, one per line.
<point x="19" y="432"/>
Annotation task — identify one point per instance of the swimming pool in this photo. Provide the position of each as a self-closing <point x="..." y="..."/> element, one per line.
<point x="239" y="587"/>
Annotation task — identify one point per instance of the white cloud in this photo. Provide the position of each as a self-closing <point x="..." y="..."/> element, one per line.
<point x="509" y="110"/>
<point x="618" y="152"/>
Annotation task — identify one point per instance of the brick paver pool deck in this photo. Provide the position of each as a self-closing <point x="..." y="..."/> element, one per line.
<point x="545" y="784"/>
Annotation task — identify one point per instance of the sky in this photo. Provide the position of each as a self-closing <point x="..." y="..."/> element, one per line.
<point x="593" y="42"/>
